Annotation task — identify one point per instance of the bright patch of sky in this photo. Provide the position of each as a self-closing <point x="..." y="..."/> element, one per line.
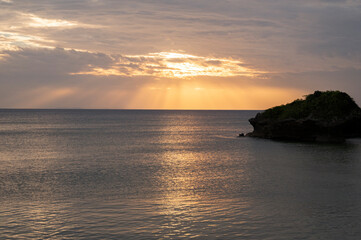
<point x="120" y="50"/>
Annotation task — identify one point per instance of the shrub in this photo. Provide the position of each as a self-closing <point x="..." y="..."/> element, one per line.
<point x="326" y="105"/>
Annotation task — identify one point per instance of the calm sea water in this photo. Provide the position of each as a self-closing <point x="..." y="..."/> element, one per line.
<point x="106" y="174"/>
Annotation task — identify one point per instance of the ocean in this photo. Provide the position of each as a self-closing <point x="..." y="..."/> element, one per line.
<point x="148" y="174"/>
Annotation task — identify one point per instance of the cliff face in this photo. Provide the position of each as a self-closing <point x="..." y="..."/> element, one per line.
<point x="330" y="116"/>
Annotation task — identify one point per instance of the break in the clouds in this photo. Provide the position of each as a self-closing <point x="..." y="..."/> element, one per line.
<point x="209" y="54"/>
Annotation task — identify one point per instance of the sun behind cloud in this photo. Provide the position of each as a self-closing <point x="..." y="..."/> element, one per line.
<point x="173" y="65"/>
<point x="178" y="80"/>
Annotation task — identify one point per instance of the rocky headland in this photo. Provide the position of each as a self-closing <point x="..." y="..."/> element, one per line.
<point x="330" y="116"/>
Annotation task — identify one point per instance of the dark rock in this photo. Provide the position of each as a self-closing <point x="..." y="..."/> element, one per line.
<point x="241" y="135"/>
<point x="330" y="116"/>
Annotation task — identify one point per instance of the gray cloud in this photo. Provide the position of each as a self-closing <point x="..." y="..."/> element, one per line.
<point x="41" y="64"/>
<point x="303" y="44"/>
<point x="347" y="80"/>
<point x="41" y="78"/>
<point x="247" y="29"/>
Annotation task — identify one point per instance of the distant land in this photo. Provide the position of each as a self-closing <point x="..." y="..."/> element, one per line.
<point x="329" y="116"/>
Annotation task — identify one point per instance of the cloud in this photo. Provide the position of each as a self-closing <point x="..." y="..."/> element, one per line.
<point x="173" y="64"/>
<point x="43" y="22"/>
<point x="124" y="50"/>
<point x="14" y="41"/>
<point x="41" y="78"/>
<point x="334" y="33"/>
<point x="46" y="65"/>
<point x="21" y="30"/>
<point x="347" y="80"/>
<point x="272" y="35"/>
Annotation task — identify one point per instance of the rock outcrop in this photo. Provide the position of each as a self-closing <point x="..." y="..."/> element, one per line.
<point x="330" y="116"/>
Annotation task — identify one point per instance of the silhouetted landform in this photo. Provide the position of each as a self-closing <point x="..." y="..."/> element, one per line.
<point x="330" y="116"/>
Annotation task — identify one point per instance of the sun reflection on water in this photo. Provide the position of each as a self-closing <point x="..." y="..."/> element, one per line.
<point x="39" y="220"/>
<point x="190" y="192"/>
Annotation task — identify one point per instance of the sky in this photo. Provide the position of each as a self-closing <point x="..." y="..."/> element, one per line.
<point x="176" y="54"/>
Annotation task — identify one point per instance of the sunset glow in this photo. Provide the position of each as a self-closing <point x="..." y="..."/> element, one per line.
<point x="42" y="22"/>
<point x="180" y="119"/>
<point x="201" y="95"/>
<point x="14" y="42"/>
<point x="175" y="55"/>
<point x="173" y="64"/>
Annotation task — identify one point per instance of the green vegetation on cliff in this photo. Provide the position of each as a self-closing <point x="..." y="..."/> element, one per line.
<point x="328" y="105"/>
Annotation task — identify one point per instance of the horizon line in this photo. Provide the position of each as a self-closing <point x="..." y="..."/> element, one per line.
<point x="131" y="109"/>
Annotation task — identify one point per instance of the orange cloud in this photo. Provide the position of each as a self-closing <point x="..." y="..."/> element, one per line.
<point x="173" y="65"/>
